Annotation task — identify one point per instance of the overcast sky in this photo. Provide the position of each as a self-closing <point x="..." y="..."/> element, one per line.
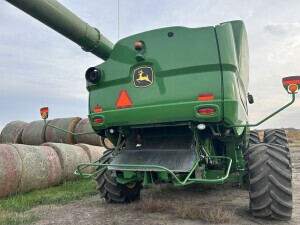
<point x="39" y="67"/>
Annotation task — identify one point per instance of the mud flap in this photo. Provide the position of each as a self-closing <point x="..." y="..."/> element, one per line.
<point x="175" y="153"/>
<point x="176" y="160"/>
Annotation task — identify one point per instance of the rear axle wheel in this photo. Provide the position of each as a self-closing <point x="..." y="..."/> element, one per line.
<point x="254" y="138"/>
<point x="276" y="136"/>
<point x="270" y="181"/>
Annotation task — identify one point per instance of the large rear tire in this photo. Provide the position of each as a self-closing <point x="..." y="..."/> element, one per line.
<point x="254" y="138"/>
<point x="276" y="136"/>
<point x="111" y="190"/>
<point x="270" y="181"/>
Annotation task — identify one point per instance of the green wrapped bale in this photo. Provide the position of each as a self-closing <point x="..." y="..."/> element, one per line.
<point x="85" y="126"/>
<point x="12" y="132"/>
<point x="34" y="133"/>
<point x="41" y="167"/>
<point x="57" y="136"/>
<point x="94" y="153"/>
<point x="70" y="157"/>
<point x="10" y="170"/>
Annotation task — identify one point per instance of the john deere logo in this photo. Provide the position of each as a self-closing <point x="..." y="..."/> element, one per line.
<point x="143" y="76"/>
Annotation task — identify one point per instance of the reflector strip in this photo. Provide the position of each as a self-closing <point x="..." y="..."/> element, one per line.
<point x="287" y="82"/>
<point x="98" y="109"/>
<point x="124" y="100"/>
<point x="291" y="80"/>
<point x="98" y="120"/>
<point x="206" y="111"/>
<point x="206" y="97"/>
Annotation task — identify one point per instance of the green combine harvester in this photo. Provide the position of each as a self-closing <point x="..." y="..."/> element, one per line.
<point x="174" y="103"/>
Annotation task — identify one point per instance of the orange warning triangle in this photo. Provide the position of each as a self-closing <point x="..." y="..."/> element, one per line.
<point x="123" y="100"/>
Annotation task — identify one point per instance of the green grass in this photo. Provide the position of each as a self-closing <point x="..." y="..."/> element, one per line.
<point x="13" y="209"/>
<point x="17" y="218"/>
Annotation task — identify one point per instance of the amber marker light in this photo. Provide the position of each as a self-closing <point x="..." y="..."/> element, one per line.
<point x="293" y="88"/>
<point x="44" y="112"/>
<point x="138" y="45"/>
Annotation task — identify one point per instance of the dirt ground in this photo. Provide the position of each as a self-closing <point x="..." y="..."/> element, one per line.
<point x="93" y="210"/>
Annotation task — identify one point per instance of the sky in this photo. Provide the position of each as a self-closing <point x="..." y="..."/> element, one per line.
<point x="39" y="67"/>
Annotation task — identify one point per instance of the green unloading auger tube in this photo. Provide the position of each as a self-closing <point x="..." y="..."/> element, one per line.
<point x="62" y="20"/>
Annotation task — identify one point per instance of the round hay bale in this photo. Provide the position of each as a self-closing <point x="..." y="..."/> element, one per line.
<point x="106" y="143"/>
<point x="70" y="157"/>
<point x="12" y="132"/>
<point x="55" y="171"/>
<point x="94" y="153"/>
<point x="34" y="133"/>
<point x="41" y="167"/>
<point x="57" y="136"/>
<point x="85" y="126"/>
<point x="10" y="170"/>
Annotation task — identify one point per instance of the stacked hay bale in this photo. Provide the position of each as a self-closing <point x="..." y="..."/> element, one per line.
<point x="70" y="157"/>
<point x="12" y="132"/>
<point x="84" y="126"/>
<point x="10" y="170"/>
<point x="94" y="153"/>
<point x="105" y="142"/>
<point x="34" y="133"/>
<point x="57" y="136"/>
<point x="28" y="167"/>
<point x="37" y="133"/>
<point x="41" y="167"/>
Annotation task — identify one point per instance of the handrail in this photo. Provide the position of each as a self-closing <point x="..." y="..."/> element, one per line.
<point x="266" y="118"/>
<point x="186" y="181"/>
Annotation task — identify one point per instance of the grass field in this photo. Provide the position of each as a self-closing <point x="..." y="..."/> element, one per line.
<point x="13" y="210"/>
<point x="294" y="139"/>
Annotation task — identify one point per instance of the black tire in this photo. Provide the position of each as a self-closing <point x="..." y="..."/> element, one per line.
<point x="276" y="136"/>
<point x="254" y="138"/>
<point x="270" y="181"/>
<point x="111" y="190"/>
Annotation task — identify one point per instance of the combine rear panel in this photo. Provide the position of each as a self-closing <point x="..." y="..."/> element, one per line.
<point x="179" y="72"/>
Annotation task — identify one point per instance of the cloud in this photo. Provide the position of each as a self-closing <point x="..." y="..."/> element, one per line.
<point x="283" y="28"/>
<point x="39" y="66"/>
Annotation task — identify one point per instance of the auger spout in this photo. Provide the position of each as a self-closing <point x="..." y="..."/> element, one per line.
<point x="62" y="20"/>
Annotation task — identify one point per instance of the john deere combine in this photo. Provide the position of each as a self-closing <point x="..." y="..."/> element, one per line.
<point x="174" y="102"/>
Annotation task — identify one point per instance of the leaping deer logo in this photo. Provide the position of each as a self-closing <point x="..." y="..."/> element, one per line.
<point x="143" y="77"/>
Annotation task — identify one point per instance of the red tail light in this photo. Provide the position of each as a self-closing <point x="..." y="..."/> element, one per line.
<point x="206" y="111"/>
<point x="98" y="120"/>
